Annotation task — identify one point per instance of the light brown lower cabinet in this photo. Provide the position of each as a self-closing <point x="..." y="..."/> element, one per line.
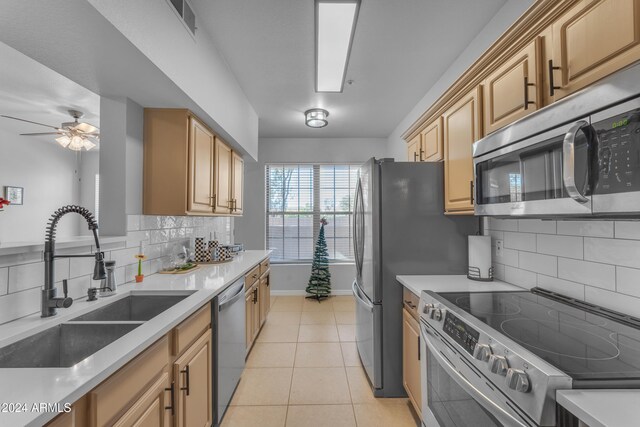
<point x="77" y="417"/>
<point x="150" y="409"/>
<point x="169" y="383"/>
<point x="257" y="300"/>
<point x="147" y="392"/>
<point x="411" y="360"/>
<point x="264" y="296"/>
<point x="192" y="380"/>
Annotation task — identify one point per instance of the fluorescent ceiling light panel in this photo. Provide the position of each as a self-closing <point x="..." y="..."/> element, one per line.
<point x="335" y="26"/>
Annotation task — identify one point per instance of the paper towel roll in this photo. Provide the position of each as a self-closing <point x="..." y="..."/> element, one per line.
<point x="480" y="258"/>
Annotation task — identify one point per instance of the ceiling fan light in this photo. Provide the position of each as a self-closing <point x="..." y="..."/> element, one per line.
<point x="63" y="140"/>
<point x="88" y="145"/>
<point x="77" y="143"/>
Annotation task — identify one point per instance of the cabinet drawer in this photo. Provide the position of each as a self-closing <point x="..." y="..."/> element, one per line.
<point x="411" y="302"/>
<point x="264" y="267"/>
<point x="252" y="277"/>
<point x="191" y="329"/>
<point x="118" y="392"/>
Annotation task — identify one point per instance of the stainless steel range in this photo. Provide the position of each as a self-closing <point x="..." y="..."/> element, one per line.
<point x="497" y="358"/>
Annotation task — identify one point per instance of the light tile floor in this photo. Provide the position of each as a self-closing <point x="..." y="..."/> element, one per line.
<point x="304" y="371"/>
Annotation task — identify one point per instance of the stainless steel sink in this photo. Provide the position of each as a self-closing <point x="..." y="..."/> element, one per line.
<point x="63" y="345"/>
<point x="132" y="308"/>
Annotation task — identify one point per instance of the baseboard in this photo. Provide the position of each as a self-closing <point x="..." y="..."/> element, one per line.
<point x="292" y="293"/>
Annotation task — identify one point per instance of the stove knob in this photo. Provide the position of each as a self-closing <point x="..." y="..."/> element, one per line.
<point x="518" y="380"/>
<point x="498" y="364"/>
<point x="427" y="308"/>
<point x="482" y="352"/>
<point x="436" y="314"/>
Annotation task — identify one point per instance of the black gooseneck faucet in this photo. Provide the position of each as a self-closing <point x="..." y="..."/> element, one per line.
<point x="50" y="302"/>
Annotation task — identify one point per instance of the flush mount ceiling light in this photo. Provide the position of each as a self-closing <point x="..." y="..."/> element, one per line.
<point x="316" y="118"/>
<point x="335" y="26"/>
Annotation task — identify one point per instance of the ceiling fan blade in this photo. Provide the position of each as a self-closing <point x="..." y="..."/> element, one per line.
<point x="42" y="133"/>
<point x="29" y="121"/>
<point x="86" y="128"/>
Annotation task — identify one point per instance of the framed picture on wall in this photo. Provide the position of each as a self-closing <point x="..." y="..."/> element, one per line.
<point x="14" y="194"/>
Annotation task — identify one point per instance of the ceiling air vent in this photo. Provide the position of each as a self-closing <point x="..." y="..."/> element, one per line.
<point x="186" y="14"/>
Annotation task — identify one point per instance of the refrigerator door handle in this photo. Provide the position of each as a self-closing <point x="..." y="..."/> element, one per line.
<point x="357" y="228"/>
<point x="359" y="298"/>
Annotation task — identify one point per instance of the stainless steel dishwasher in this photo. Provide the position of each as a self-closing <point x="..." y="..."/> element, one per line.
<point x="230" y="346"/>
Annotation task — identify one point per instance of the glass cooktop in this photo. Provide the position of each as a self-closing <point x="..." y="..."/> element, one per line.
<point x="595" y="347"/>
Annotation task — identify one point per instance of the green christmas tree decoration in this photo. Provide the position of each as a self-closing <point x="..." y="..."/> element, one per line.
<point x="319" y="286"/>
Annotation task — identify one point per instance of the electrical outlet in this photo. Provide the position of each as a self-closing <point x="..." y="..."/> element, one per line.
<point x="498" y="248"/>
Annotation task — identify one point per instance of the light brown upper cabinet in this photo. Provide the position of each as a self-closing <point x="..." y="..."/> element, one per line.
<point x="187" y="168"/>
<point x="462" y="125"/>
<point x="512" y="91"/>
<point x="431" y="139"/>
<point x="237" y="183"/>
<point x="427" y="145"/>
<point x="592" y="40"/>
<point x="414" y="149"/>
<point x="223" y="184"/>
<point x="201" y="170"/>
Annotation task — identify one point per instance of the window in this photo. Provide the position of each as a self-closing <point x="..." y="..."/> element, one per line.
<point x="298" y="196"/>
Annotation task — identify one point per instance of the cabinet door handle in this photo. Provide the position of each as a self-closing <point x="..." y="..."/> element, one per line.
<point x="212" y="201"/>
<point x="255" y="296"/>
<point x="526" y="93"/>
<point x="415" y="157"/>
<point x="419" y="347"/>
<point x="421" y="151"/>
<point x="186" y="379"/>
<point x="172" y="406"/>
<point x="410" y="304"/>
<point x="471" y="192"/>
<point x="552" y="86"/>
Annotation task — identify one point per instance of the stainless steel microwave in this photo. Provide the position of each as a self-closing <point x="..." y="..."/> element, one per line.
<point x="587" y="167"/>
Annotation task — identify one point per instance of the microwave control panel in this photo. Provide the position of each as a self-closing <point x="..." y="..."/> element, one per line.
<point x="461" y="333"/>
<point x="619" y="153"/>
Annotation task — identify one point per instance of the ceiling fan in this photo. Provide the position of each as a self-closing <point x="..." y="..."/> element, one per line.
<point x="73" y="135"/>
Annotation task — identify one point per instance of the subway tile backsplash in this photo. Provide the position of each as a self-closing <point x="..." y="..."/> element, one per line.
<point x="597" y="261"/>
<point x="22" y="275"/>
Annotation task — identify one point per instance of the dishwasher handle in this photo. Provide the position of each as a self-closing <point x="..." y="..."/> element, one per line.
<point x="225" y="300"/>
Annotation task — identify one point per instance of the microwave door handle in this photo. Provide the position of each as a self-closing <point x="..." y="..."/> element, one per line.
<point x="569" y="162"/>
<point x="503" y="416"/>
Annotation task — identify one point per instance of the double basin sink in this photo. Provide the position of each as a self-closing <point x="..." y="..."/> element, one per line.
<point x="66" y="344"/>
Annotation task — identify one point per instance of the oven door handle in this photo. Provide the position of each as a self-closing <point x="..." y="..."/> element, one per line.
<point x="504" y="417"/>
<point x="569" y="161"/>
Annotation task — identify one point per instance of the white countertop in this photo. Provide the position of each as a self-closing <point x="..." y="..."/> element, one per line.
<point x="453" y="283"/>
<point x="62" y="385"/>
<point x="602" y="408"/>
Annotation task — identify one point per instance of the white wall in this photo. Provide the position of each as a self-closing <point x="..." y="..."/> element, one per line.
<point x="291" y="279"/>
<point x="121" y="163"/>
<point x="50" y="177"/>
<point x="193" y="63"/>
<point x="250" y="229"/>
<point x="502" y="20"/>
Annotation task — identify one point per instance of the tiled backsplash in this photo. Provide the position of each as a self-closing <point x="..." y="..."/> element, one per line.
<point x="596" y="261"/>
<point x="22" y="275"/>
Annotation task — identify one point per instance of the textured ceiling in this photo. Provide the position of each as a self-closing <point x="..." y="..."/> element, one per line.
<point x="400" y="49"/>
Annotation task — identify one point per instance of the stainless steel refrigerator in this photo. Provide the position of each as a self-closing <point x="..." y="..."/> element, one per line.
<point x="399" y="227"/>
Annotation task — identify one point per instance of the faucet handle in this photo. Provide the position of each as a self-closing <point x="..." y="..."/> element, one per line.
<point x="65" y="288"/>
